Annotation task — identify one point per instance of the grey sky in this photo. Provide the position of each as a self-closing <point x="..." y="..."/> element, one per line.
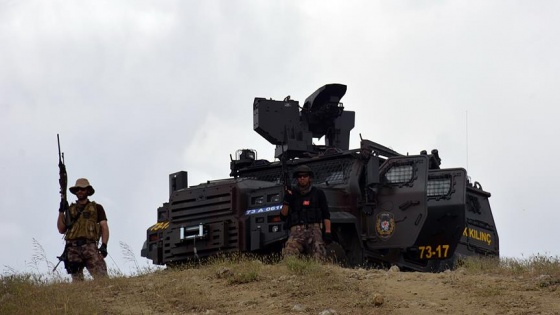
<point x="141" y="89"/>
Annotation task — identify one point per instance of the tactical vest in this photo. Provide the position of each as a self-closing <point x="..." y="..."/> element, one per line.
<point x="306" y="209"/>
<point x="86" y="225"/>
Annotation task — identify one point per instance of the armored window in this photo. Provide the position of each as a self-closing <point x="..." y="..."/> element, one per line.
<point x="399" y="174"/>
<point x="439" y="186"/>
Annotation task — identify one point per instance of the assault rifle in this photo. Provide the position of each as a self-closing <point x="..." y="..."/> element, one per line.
<point x="63" y="181"/>
<point x="286" y="182"/>
<point x="62" y="258"/>
<point x="285" y="175"/>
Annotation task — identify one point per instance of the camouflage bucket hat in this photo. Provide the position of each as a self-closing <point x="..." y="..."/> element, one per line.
<point x="82" y="183"/>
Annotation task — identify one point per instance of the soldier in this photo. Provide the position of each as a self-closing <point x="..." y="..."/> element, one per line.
<point x="88" y="222"/>
<point x="306" y="211"/>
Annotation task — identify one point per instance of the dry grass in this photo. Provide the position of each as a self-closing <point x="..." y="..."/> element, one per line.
<point x="242" y="284"/>
<point x="538" y="265"/>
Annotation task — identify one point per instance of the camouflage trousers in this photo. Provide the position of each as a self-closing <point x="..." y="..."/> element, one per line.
<point x="86" y="255"/>
<point x="305" y="241"/>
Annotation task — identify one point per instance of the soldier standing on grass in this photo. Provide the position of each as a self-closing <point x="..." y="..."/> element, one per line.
<point x="307" y="212"/>
<point x="88" y="222"/>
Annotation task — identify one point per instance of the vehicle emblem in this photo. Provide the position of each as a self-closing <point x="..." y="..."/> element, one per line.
<point x="385" y="225"/>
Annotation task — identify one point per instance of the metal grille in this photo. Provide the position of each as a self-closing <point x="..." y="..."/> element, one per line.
<point x="399" y="174"/>
<point x="334" y="171"/>
<point x="269" y="175"/>
<point x="439" y="186"/>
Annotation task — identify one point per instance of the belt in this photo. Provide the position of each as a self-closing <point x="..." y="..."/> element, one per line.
<point x="304" y="226"/>
<point x="79" y="242"/>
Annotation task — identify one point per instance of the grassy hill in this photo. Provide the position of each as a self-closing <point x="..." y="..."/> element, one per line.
<point x="244" y="285"/>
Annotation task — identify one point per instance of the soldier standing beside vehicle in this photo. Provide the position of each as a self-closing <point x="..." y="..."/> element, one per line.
<point x="307" y="212"/>
<point x="88" y="222"/>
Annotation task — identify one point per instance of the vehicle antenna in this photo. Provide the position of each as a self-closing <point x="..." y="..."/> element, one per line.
<point x="467" y="136"/>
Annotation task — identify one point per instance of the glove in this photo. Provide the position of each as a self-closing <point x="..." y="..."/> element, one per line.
<point x="103" y="250"/>
<point x="63" y="206"/>
<point x="288" y="197"/>
<point x="327" y="238"/>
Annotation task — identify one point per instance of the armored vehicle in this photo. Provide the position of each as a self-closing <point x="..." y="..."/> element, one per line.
<point x="386" y="208"/>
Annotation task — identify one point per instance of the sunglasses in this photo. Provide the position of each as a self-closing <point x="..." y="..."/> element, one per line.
<point x="302" y="176"/>
<point x="82" y="188"/>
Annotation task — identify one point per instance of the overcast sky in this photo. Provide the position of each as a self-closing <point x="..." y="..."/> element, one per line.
<point x="141" y="89"/>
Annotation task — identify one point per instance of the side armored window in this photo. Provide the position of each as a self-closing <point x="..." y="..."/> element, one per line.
<point x="439" y="186"/>
<point x="399" y="174"/>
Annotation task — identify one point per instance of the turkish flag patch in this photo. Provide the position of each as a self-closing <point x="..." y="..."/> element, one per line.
<point x="306" y="202"/>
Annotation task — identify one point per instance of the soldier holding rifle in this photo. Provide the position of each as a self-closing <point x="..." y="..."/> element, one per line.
<point x="83" y="224"/>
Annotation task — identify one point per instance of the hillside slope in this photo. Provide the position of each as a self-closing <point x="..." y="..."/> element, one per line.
<point x="297" y="287"/>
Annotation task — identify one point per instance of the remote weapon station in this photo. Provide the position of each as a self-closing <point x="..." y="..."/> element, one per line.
<point x="386" y="208"/>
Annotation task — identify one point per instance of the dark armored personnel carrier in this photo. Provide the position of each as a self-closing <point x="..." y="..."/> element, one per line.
<point x="386" y="208"/>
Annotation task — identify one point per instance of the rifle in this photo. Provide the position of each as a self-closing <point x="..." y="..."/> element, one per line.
<point x="285" y="175"/>
<point x="286" y="182"/>
<point x="62" y="258"/>
<point x="63" y="181"/>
